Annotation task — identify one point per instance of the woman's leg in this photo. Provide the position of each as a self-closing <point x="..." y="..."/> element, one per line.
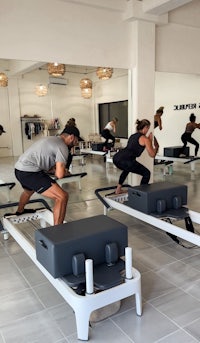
<point x="194" y="142"/>
<point x="184" y="139"/>
<point x="137" y="168"/>
<point x="122" y="178"/>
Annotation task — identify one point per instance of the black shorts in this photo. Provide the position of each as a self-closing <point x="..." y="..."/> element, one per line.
<point x="34" y="181"/>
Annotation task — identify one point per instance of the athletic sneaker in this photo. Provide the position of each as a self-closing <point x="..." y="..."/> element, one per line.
<point x="182" y="155"/>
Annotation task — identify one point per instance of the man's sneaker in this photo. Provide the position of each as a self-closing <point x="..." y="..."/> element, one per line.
<point x="182" y="155"/>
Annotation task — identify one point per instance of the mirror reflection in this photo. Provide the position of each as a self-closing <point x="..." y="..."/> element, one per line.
<point x="49" y="94"/>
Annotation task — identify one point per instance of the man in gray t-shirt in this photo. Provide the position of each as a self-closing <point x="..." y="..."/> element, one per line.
<point x="32" y="167"/>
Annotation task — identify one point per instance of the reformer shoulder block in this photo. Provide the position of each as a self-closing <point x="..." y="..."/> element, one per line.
<point x="157" y="197"/>
<point x="174" y="151"/>
<point x="56" y="246"/>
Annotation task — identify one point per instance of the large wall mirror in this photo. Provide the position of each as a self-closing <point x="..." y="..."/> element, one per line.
<point x="61" y="97"/>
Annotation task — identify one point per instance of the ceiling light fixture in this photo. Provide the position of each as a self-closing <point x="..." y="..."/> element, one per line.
<point x="104" y="73"/>
<point x="56" y="69"/>
<point x="86" y="88"/>
<point x="3" y="80"/>
<point x="41" y="90"/>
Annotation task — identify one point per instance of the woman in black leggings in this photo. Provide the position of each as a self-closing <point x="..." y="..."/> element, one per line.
<point x="125" y="159"/>
<point x="187" y="135"/>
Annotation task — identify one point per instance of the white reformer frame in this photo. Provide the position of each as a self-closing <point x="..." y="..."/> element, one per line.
<point x="178" y="159"/>
<point x="83" y="306"/>
<point x="116" y="202"/>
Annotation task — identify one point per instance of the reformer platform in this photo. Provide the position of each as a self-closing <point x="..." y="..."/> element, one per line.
<point x="162" y="219"/>
<point x="70" y="178"/>
<point x="128" y="282"/>
<point x="7" y="186"/>
<point x="184" y="160"/>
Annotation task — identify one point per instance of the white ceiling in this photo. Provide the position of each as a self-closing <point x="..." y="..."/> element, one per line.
<point x="153" y="10"/>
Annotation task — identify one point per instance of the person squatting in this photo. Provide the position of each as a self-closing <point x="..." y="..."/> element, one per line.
<point x="125" y="159"/>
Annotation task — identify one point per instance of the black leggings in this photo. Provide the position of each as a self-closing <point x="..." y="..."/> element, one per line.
<point x="107" y="135"/>
<point x="187" y="138"/>
<point x="132" y="167"/>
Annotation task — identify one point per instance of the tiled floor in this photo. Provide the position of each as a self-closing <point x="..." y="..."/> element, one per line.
<point x="31" y="310"/>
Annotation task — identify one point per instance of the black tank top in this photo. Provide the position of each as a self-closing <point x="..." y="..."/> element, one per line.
<point x="155" y="124"/>
<point x="133" y="148"/>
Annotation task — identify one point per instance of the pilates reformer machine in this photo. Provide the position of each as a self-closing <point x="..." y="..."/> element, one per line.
<point x="83" y="260"/>
<point x="168" y="161"/>
<point x="159" y="204"/>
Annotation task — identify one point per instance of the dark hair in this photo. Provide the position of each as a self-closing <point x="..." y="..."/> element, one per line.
<point x="71" y="122"/>
<point x="142" y="123"/>
<point x="2" y="129"/>
<point x="160" y="110"/>
<point x="192" y="117"/>
<point x="71" y="130"/>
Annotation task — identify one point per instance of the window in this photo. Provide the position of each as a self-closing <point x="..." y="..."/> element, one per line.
<point x="117" y="109"/>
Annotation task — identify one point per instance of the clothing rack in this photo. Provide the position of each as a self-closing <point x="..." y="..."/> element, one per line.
<point x="31" y="127"/>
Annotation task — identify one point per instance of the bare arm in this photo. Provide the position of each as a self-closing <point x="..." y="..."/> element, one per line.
<point x="60" y="170"/>
<point x="160" y="123"/>
<point x="158" y="119"/>
<point x="113" y="126"/>
<point x="147" y="142"/>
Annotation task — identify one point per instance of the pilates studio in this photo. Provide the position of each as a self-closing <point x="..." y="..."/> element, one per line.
<point x="118" y="263"/>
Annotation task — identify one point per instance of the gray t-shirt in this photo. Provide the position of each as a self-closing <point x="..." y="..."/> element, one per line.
<point x="43" y="155"/>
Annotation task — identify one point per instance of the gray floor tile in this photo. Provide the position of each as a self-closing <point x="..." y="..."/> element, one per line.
<point x="18" y="305"/>
<point x="193" y="261"/>
<point x="145" y="328"/>
<point x="178" y="306"/>
<point x="33" y="275"/>
<point x="38" y="327"/>
<point x="154" y="286"/>
<point x="178" y="336"/>
<point x="153" y="258"/>
<point x="105" y="331"/>
<point x="194" y="329"/>
<point x="180" y="274"/>
<point x="48" y="295"/>
<point x="177" y="251"/>
<point x="64" y="317"/>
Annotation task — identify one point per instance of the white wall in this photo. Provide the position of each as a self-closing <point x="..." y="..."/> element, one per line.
<point x="52" y="30"/>
<point x="176" y="89"/>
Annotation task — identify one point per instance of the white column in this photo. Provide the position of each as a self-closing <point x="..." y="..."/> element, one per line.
<point x="142" y="81"/>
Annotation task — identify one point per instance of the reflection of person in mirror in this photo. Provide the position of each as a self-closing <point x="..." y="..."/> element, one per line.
<point x="106" y="133"/>
<point x="71" y="122"/>
<point x="187" y="135"/>
<point x="32" y="168"/>
<point x="125" y="159"/>
<point x="2" y="130"/>
<point x="157" y="118"/>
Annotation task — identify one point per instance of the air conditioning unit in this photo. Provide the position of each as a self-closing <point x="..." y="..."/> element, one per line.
<point x="57" y="81"/>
